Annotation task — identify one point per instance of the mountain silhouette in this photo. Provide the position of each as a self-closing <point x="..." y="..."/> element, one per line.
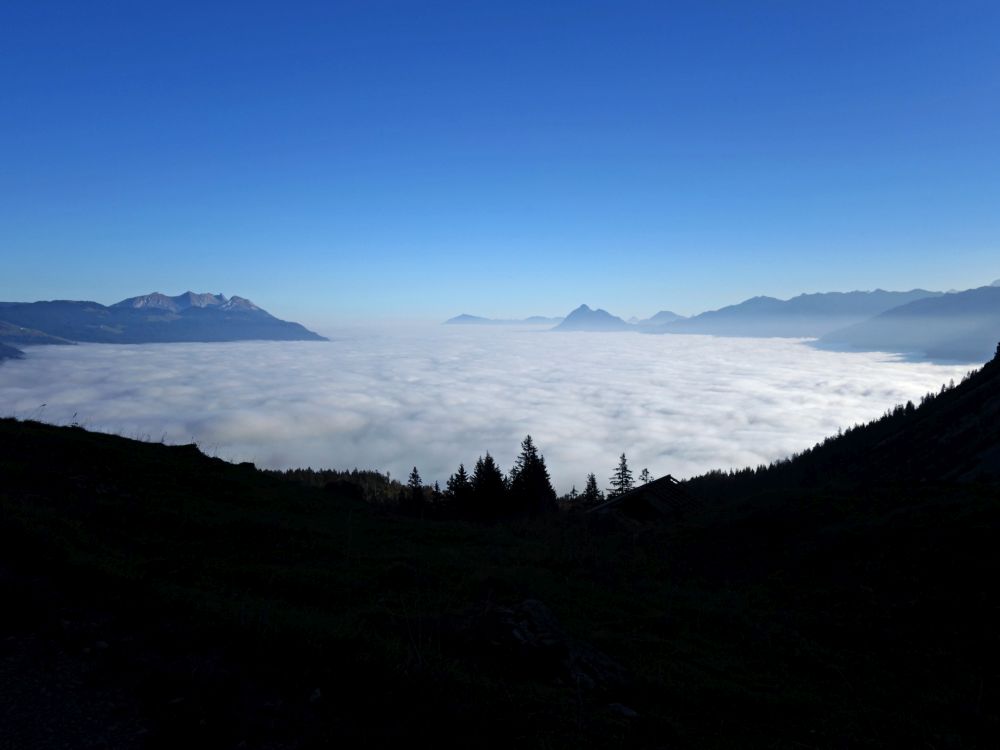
<point x="476" y="320"/>
<point x="585" y="319"/>
<point x="961" y="326"/>
<point x="152" y="318"/>
<point x="804" y="316"/>
<point x="662" y="318"/>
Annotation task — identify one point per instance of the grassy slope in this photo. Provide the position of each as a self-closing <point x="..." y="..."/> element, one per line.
<point x="160" y="597"/>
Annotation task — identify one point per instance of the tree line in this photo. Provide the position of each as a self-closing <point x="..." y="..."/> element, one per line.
<point x="486" y="493"/>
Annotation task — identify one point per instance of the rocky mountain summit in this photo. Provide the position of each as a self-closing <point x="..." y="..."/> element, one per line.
<point x="150" y="318"/>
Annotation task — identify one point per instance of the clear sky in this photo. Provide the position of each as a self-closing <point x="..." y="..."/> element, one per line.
<point x="336" y="160"/>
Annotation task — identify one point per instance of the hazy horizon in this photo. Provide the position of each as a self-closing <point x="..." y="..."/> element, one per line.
<point x="325" y="324"/>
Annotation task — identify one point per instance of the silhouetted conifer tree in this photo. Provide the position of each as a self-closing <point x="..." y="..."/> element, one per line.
<point x="530" y="486"/>
<point x="621" y="480"/>
<point x="592" y="495"/>
<point x="458" y="492"/>
<point x="414" y="495"/>
<point x="645" y="477"/>
<point x="489" y="488"/>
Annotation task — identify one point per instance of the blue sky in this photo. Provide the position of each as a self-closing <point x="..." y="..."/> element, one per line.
<point x="334" y="161"/>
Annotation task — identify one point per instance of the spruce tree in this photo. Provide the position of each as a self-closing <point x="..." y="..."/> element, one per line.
<point x="592" y="495"/>
<point x="458" y="491"/>
<point x="414" y="482"/>
<point x="645" y="477"/>
<point x="621" y="480"/>
<point x="489" y="488"/>
<point x="413" y="498"/>
<point x="530" y="487"/>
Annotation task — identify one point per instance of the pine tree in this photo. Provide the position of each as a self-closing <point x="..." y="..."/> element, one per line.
<point x="530" y="486"/>
<point x="645" y="477"/>
<point x="621" y="480"/>
<point x="591" y="494"/>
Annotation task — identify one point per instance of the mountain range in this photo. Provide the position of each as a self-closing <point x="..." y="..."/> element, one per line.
<point x="962" y="326"/>
<point x="958" y="326"/>
<point x="804" y="316"/>
<point x="150" y="318"/>
<point x="475" y="320"/>
<point x="662" y="318"/>
<point x="585" y="319"/>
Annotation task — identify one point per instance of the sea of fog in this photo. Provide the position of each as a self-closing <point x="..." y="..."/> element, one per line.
<point x="436" y="396"/>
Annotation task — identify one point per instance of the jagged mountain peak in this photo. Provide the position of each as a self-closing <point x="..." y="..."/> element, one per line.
<point x="160" y="301"/>
<point x="203" y="299"/>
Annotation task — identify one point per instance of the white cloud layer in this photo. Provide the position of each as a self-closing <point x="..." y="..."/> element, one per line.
<point x="439" y="396"/>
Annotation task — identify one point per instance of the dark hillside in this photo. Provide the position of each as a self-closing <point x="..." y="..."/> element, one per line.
<point x="953" y="435"/>
<point x="158" y="598"/>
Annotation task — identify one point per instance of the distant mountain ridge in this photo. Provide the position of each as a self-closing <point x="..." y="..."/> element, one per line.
<point x="955" y="325"/>
<point x="585" y="319"/>
<point x="662" y="318"/>
<point x="150" y="318"/>
<point x="476" y="320"/>
<point x="158" y="301"/>
<point x="804" y="316"/>
<point x="961" y="326"/>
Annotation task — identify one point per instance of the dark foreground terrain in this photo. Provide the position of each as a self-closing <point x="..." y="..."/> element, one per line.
<point x="155" y="598"/>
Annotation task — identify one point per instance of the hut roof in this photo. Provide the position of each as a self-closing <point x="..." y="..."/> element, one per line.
<point x="661" y="497"/>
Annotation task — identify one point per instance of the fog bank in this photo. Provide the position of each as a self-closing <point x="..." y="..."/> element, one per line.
<point x="436" y="396"/>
